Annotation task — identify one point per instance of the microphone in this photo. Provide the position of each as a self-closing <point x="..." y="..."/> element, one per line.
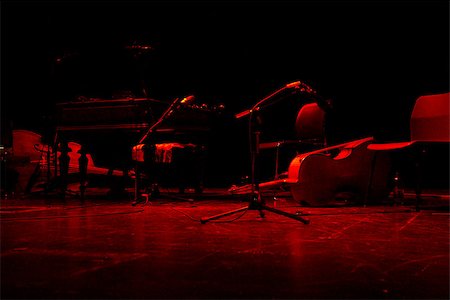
<point x="187" y="99"/>
<point x="177" y="104"/>
<point x="303" y="87"/>
<point x="294" y="84"/>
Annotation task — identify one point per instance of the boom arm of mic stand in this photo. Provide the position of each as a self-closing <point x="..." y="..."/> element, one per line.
<point x="257" y="106"/>
<point x="163" y="116"/>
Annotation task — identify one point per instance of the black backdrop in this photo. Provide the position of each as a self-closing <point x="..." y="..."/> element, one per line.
<point x="372" y="58"/>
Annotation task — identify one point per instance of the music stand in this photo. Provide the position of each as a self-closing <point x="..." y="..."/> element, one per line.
<point x="256" y="202"/>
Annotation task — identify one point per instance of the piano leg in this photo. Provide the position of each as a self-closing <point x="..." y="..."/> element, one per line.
<point x="64" y="161"/>
<point x="200" y="162"/>
<point x="188" y="167"/>
<point x="137" y="179"/>
<point x="82" y="163"/>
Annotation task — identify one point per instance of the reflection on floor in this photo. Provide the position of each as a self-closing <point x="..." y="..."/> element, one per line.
<point x="110" y="249"/>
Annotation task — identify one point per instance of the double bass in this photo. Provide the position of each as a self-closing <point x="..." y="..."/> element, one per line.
<point x="340" y="174"/>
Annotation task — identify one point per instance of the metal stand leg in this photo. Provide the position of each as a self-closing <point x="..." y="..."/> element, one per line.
<point x="256" y="204"/>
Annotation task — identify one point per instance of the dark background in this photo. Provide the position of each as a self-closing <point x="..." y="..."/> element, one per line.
<point x="373" y="58"/>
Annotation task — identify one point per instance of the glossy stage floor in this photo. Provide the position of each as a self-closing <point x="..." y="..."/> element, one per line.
<point x="106" y="249"/>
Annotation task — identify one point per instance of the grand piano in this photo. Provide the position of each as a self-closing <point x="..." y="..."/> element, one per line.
<point x="108" y="130"/>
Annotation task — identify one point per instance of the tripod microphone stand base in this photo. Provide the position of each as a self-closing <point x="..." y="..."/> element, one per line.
<point x="255" y="205"/>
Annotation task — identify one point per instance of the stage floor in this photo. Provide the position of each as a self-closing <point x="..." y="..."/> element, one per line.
<point x="107" y="249"/>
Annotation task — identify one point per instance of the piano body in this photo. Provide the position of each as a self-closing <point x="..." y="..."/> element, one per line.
<point x="108" y="130"/>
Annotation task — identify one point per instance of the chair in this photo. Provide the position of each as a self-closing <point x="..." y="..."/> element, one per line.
<point x="310" y="131"/>
<point x="429" y="127"/>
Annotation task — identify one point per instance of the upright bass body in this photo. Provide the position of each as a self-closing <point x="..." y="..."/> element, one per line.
<point x="344" y="173"/>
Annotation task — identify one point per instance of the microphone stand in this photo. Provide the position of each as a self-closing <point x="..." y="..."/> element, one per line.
<point x="167" y="113"/>
<point x="256" y="202"/>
